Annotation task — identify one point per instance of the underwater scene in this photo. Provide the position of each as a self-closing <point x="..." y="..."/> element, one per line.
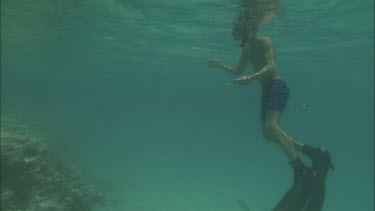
<point x="194" y="105"/>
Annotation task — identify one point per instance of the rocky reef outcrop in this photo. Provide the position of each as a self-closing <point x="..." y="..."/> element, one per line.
<point x="35" y="178"/>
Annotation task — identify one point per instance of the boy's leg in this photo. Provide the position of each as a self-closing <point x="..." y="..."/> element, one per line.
<point x="273" y="132"/>
<point x="296" y="197"/>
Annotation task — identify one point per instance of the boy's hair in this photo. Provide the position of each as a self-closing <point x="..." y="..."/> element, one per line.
<point x="252" y="14"/>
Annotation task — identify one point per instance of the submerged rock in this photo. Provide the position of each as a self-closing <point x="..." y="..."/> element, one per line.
<point x="35" y="178"/>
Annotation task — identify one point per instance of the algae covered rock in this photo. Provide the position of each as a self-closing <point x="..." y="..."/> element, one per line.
<point x="34" y="177"/>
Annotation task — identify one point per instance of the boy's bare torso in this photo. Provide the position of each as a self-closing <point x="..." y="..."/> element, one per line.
<point x="257" y="57"/>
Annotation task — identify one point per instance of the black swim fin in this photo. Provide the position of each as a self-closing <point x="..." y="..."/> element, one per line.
<point x="317" y="196"/>
<point x="321" y="163"/>
<point x="297" y="196"/>
<point x="321" y="160"/>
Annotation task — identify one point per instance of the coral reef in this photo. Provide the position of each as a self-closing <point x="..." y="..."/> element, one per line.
<point x="35" y="178"/>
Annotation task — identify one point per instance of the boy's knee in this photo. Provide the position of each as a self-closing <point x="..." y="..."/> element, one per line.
<point x="270" y="131"/>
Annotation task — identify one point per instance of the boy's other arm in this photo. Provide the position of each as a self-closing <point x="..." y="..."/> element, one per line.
<point x="267" y="70"/>
<point x="270" y="66"/>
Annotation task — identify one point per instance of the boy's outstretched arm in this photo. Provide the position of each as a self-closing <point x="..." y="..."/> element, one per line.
<point x="235" y="70"/>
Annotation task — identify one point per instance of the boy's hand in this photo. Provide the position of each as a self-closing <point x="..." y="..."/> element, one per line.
<point x="214" y="63"/>
<point x="243" y="80"/>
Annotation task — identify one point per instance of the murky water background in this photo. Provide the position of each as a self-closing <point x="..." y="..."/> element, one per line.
<point x="125" y="90"/>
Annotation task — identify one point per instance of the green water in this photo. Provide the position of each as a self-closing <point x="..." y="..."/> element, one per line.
<point x="125" y="90"/>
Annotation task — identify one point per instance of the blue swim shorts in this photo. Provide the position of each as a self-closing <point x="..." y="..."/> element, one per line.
<point x="275" y="96"/>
